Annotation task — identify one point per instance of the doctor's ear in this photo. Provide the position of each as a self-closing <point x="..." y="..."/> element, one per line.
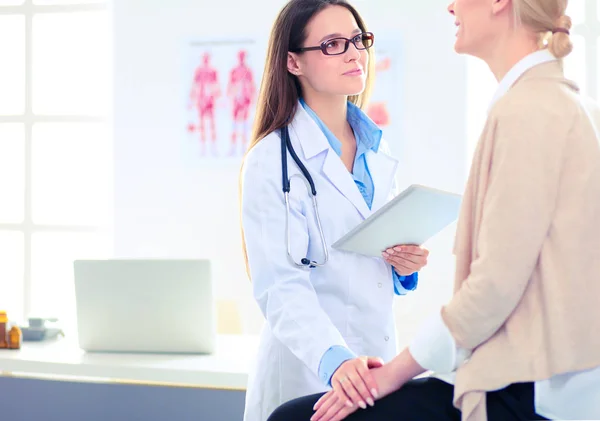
<point x="498" y="6"/>
<point x="293" y="64"/>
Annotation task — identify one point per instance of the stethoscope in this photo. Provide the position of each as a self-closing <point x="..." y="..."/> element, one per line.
<point x="286" y="145"/>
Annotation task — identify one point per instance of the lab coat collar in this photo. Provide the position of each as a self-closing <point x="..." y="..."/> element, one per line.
<point x="515" y="73"/>
<point x="309" y="135"/>
<point x="305" y="131"/>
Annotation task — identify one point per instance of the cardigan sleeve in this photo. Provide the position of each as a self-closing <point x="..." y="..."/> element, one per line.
<point x="516" y="217"/>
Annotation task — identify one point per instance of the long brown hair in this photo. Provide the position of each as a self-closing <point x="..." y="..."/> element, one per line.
<point x="280" y="90"/>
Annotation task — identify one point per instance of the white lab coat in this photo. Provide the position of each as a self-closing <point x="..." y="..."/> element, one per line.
<point x="347" y="302"/>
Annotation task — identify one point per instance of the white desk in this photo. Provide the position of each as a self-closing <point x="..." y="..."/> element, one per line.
<point x="226" y="369"/>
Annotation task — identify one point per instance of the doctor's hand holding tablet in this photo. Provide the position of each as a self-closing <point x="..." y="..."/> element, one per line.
<point x="399" y="229"/>
<point x="406" y="259"/>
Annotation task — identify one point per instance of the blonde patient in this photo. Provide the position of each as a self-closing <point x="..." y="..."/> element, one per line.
<point x="519" y="338"/>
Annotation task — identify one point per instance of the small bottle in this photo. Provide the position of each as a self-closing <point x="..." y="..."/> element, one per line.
<point x="3" y="333"/>
<point x="15" y="337"/>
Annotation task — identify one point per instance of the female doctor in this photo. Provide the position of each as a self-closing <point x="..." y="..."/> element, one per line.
<point x="522" y="329"/>
<point x="324" y="308"/>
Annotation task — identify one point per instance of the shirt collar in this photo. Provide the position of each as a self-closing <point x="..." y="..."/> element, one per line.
<point x="526" y="63"/>
<point x="368" y="134"/>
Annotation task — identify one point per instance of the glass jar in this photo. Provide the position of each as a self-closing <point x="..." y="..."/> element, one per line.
<point x="15" y="337"/>
<point x="3" y="332"/>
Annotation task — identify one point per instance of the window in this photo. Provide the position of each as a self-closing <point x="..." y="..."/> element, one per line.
<point x="582" y="65"/>
<point x="55" y="150"/>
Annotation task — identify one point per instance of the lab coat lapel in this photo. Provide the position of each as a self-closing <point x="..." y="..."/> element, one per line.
<point x="337" y="173"/>
<point x="313" y="142"/>
<point x="383" y="170"/>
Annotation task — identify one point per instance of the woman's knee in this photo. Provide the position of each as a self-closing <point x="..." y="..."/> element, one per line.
<point x="300" y="409"/>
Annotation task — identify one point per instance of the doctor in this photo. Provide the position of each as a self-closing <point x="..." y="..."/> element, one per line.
<point x="324" y="308"/>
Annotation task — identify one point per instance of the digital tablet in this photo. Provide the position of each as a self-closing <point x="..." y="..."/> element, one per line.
<point x="412" y="217"/>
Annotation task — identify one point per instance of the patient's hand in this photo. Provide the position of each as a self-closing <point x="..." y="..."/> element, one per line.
<point x="332" y="406"/>
<point x="406" y="259"/>
<point x="389" y="378"/>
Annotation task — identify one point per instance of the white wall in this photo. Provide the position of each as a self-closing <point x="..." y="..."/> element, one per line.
<point x="166" y="209"/>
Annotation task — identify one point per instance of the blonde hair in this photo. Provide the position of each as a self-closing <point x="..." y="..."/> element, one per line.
<point x="548" y="19"/>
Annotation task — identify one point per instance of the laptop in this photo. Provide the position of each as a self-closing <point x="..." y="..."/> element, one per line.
<point x="145" y="306"/>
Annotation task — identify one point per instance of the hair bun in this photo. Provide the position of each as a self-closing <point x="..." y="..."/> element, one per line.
<point x="564" y="22"/>
<point x="560" y="44"/>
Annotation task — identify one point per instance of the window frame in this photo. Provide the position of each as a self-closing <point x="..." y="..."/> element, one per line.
<point x="27" y="226"/>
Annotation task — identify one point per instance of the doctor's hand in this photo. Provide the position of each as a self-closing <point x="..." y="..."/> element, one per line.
<point x="406" y="259"/>
<point x="354" y="383"/>
<point x="389" y="378"/>
<point x="333" y="407"/>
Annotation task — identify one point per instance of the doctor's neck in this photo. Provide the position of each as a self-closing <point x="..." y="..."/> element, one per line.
<point x="509" y="49"/>
<point x="331" y="109"/>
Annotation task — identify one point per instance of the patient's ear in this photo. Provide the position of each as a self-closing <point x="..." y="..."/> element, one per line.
<point x="499" y="6"/>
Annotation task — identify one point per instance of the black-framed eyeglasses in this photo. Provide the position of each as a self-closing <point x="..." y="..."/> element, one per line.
<point x="337" y="46"/>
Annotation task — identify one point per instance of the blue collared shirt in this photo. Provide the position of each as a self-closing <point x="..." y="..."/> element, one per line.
<point x="368" y="137"/>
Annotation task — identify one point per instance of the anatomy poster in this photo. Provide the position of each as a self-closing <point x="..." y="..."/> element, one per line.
<point x="221" y="84"/>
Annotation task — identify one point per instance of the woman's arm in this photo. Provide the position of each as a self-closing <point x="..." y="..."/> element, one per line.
<point x="516" y="219"/>
<point x="397" y="372"/>
<point x="389" y="378"/>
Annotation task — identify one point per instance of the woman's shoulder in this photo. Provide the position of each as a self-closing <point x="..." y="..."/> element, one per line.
<point x="548" y="98"/>
<point x="544" y="110"/>
<point x="263" y="156"/>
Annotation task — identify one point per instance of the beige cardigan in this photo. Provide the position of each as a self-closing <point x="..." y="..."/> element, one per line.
<point x="527" y="286"/>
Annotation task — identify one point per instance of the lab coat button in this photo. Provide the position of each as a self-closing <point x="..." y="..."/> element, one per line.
<point x="380" y="285"/>
<point x="387" y="338"/>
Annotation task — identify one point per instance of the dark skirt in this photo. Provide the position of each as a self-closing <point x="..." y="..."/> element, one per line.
<point x="426" y="399"/>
